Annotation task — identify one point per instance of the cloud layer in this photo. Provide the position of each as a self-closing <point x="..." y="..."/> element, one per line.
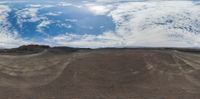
<point x="7" y="38"/>
<point x="138" y="24"/>
<point x="143" y="24"/>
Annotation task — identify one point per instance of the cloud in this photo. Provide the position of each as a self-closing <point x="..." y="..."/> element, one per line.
<point x="86" y="41"/>
<point x="64" y="4"/>
<point x="138" y="24"/>
<point x="10" y="40"/>
<point x="13" y="1"/>
<point x="144" y="24"/>
<point x="30" y="13"/>
<point x="117" y="1"/>
<point x="71" y="20"/>
<point x="7" y="38"/>
<point x="40" y="6"/>
<point x="67" y="4"/>
<point x="98" y="9"/>
<point x="43" y="24"/>
<point x="53" y="13"/>
<point x="160" y="24"/>
<point x="4" y="12"/>
<point x="27" y="15"/>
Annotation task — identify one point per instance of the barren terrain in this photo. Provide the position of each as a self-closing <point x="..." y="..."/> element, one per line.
<point x="67" y="73"/>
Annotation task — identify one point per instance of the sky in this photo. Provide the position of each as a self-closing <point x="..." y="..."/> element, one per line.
<point x="100" y="23"/>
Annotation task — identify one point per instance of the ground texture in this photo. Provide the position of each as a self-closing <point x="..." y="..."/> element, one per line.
<point x="64" y="73"/>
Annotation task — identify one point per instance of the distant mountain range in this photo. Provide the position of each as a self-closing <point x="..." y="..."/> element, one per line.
<point x="30" y="49"/>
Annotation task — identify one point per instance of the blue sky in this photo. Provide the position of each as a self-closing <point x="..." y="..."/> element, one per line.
<point x="100" y="23"/>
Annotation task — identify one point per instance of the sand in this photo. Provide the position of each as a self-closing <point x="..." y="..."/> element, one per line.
<point x="63" y="73"/>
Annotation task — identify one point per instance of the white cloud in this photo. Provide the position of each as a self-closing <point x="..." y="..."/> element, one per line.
<point x="4" y="12"/>
<point x="150" y="24"/>
<point x="108" y="39"/>
<point x="12" y="1"/>
<point x="10" y="40"/>
<point x="71" y="20"/>
<point x="43" y="24"/>
<point x="7" y="39"/>
<point x="69" y="26"/>
<point x="53" y="13"/>
<point x="147" y="24"/>
<point x="64" y="4"/>
<point x="27" y="15"/>
<point x="98" y="9"/>
<point x="122" y="1"/>
<point x="34" y="5"/>
<point x="40" y="6"/>
<point x="30" y="13"/>
<point x="166" y="23"/>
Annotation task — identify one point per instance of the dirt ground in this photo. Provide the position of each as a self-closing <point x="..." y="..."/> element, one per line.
<point x="101" y="74"/>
